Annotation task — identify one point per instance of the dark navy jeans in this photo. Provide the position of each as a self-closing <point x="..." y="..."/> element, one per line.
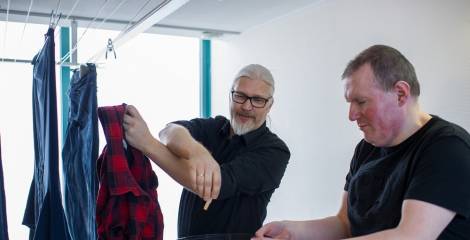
<point x="79" y="155"/>
<point x="44" y="213"/>
<point x="3" y="210"/>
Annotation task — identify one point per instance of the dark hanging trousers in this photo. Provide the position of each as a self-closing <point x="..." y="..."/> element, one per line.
<point x="3" y="210"/>
<point x="44" y="213"/>
<point x="79" y="155"/>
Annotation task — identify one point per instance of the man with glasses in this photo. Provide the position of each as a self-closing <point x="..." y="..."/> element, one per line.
<point x="235" y="165"/>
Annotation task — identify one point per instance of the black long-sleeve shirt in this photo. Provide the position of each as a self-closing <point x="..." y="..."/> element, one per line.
<point x="252" y="166"/>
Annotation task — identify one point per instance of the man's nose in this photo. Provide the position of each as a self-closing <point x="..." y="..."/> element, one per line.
<point x="353" y="113"/>
<point x="247" y="105"/>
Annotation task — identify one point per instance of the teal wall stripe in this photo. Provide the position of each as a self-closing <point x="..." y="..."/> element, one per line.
<point x="205" y="88"/>
<point x="65" y="77"/>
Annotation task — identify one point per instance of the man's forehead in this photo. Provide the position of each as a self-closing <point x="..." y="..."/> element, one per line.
<point x="348" y="90"/>
<point x="249" y="79"/>
<point x="348" y="85"/>
<point x="361" y="88"/>
<point x="254" y="86"/>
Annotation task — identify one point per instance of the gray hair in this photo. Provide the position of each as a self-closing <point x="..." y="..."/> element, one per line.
<point x="256" y="71"/>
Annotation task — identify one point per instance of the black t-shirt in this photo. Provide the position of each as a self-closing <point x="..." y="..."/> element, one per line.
<point x="433" y="165"/>
<point x="252" y="166"/>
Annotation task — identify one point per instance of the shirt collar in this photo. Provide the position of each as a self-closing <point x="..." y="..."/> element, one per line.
<point x="249" y="137"/>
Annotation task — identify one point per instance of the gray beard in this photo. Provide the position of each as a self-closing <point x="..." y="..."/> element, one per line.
<point x="240" y="129"/>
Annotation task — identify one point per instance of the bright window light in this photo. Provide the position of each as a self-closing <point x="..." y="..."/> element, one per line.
<point x="158" y="74"/>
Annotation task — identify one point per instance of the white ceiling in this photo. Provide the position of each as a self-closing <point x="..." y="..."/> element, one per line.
<point x="192" y="19"/>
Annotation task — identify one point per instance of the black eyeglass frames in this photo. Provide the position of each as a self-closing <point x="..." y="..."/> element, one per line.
<point x="241" y="98"/>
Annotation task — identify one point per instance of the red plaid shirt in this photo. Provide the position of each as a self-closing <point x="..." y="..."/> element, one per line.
<point x="127" y="205"/>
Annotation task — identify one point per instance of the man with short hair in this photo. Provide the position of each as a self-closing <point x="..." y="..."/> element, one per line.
<point x="235" y="164"/>
<point x="408" y="176"/>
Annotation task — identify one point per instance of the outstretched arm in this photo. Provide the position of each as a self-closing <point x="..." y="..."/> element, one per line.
<point x="420" y="220"/>
<point x="334" y="227"/>
<point x="205" y="171"/>
<point x="183" y="158"/>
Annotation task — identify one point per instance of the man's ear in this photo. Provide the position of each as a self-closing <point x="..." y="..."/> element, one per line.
<point x="270" y="105"/>
<point x="403" y="91"/>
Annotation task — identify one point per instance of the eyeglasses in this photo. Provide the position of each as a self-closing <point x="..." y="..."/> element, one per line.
<point x="257" y="102"/>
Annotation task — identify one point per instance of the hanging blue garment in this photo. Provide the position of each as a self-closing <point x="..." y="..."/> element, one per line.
<point x="3" y="209"/>
<point x="79" y="155"/>
<point x="44" y="213"/>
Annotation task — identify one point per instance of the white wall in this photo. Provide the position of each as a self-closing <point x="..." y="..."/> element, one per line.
<point x="307" y="52"/>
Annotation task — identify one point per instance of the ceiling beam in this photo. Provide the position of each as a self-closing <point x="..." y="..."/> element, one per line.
<point x="110" y="24"/>
<point x="155" y="15"/>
